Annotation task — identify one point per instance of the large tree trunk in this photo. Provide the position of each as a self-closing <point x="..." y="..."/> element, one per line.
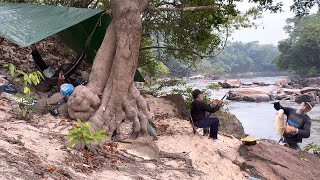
<point x="111" y="96"/>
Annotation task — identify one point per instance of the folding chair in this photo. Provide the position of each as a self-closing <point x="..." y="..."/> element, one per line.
<point x="194" y="128"/>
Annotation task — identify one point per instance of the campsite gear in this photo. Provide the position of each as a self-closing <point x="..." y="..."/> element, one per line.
<point x="252" y="178"/>
<point x="213" y="123"/>
<point x="279" y="123"/>
<point x="60" y="80"/>
<point x="48" y="72"/>
<point x="194" y="128"/>
<point x="8" y="89"/>
<point x="26" y="23"/>
<point x="249" y="141"/>
<point x="54" y="110"/>
<point x="51" y="77"/>
<point x="151" y="131"/>
<point x="66" y="89"/>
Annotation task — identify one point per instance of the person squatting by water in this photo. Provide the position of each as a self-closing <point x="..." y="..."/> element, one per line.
<point x="298" y="123"/>
<point x="198" y="109"/>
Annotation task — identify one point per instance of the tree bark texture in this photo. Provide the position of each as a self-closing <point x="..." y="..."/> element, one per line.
<point x="111" y="96"/>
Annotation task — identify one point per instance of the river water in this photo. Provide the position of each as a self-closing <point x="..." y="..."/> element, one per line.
<point x="258" y="118"/>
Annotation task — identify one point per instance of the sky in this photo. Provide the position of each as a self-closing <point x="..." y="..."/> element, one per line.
<point x="270" y="29"/>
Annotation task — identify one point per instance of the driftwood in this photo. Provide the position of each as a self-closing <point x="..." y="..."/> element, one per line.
<point x="177" y="156"/>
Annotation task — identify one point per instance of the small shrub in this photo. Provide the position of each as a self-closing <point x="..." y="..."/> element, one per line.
<point x="28" y="79"/>
<point x="213" y="86"/>
<point x="83" y="135"/>
<point x="311" y="146"/>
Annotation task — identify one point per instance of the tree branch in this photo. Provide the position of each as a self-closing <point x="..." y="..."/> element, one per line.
<point x="184" y="9"/>
<point x="171" y="48"/>
<point x="88" y="3"/>
<point x="178" y="49"/>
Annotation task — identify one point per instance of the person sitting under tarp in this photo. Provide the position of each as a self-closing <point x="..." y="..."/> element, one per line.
<point x="198" y="110"/>
<point x="298" y="123"/>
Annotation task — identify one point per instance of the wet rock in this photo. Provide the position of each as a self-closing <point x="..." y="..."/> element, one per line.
<point x="273" y="161"/>
<point x="292" y="91"/>
<point x="63" y="110"/>
<point x="307" y="97"/>
<point x="249" y="95"/>
<point x="281" y="96"/>
<point x="313" y="81"/>
<point x="309" y="89"/>
<point x="230" y="84"/>
<point x="282" y="82"/>
<point x="42" y="106"/>
<point x="261" y="83"/>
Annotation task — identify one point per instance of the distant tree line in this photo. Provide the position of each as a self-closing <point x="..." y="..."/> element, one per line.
<point x="240" y="57"/>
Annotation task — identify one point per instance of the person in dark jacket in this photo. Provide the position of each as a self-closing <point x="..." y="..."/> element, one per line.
<point x="298" y="123"/>
<point x="198" y="109"/>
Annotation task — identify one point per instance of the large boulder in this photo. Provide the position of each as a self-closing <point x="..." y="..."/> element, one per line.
<point x="292" y="91"/>
<point x="229" y="124"/>
<point x="272" y="161"/>
<point x="307" y="97"/>
<point x="313" y="81"/>
<point x="309" y="89"/>
<point x="282" y="82"/>
<point x="260" y="83"/>
<point x="177" y="100"/>
<point x="249" y="95"/>
<point x="166" y="106"/>
<point x="230" y="83"/>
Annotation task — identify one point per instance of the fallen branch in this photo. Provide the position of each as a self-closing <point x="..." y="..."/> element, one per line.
<point x="167" y="167"/>
<point x="177" y="156"/>
<point x="107" y="154"/>
<point x="184" y="9"/>
<point x="131" y="156"/>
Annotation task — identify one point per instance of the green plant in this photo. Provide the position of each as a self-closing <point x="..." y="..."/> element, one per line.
<point x="28" y="79"/>
<point x="311" y="146"/>
<point x="19" y="136"/>
<point x="83" y="135"/>
<point x="213" y="86"/>
<point x="156" y="89"/>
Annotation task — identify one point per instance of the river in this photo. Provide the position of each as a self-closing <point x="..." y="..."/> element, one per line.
<point x="258" y="118"/>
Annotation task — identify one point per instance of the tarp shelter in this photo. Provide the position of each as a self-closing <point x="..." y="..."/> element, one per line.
<point x="25" y="24"/>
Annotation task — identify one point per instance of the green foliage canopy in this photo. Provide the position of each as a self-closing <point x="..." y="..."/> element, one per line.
<point x="300" y="52"/>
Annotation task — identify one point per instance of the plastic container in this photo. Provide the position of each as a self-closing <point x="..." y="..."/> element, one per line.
<point x="66" y="89"/>
<point x="49" y="72"/>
